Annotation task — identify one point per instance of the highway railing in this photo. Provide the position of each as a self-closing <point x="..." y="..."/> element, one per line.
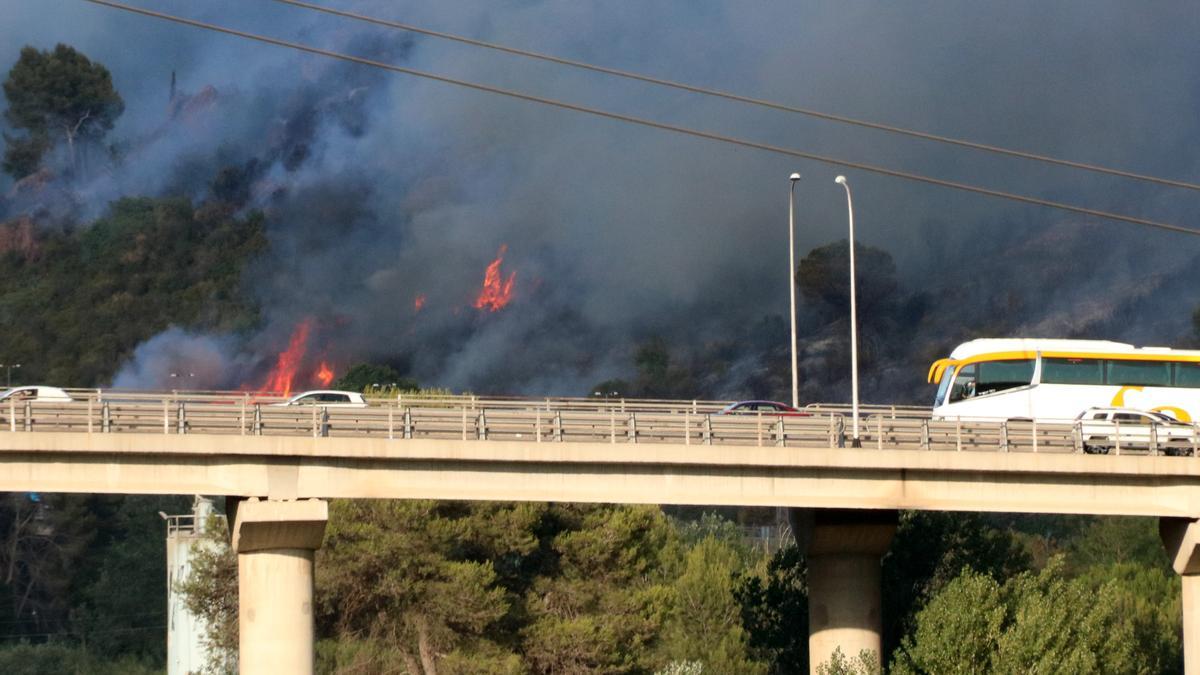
<point x="482" y="421"/>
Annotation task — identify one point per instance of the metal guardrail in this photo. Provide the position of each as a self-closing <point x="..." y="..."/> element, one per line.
<point x="532" y="422"/>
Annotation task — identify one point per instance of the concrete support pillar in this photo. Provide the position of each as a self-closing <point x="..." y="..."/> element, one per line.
<point x="1181" y="537"/>
<point x="275" y="542"/>
<point x="843" y="548"/>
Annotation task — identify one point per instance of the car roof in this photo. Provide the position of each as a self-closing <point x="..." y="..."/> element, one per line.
<point x="41" y="390"/>
<point x="326" y="391"/>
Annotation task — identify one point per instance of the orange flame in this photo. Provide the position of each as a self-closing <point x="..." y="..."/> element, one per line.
<point x="419" y="302"/>
<point x="281" y="376"/>
<point x="324" y="374"/>
<point x="496" y="293"/>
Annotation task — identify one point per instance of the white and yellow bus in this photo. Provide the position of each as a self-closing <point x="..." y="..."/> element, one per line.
<point x="1059" y="379"/>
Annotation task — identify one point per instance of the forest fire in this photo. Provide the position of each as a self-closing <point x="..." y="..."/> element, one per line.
<point x="324" y="375"/>
<point x="419" y="302"/>
<point x="496" y="293"/>
<point x="281" y="377"/>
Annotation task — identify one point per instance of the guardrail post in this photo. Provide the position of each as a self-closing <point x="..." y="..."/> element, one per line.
<point x="105" y="419"/>
<point x="391" y="422"/>
<point x="166" y="416"/>
<point x="258" y="420"/>
<point x="1004" y="436"/>
<point x="841" y="432"/>
<point x="1117" y="432"/>
<point x="926" y="444"/>
<point x="324" y="422"/>
<point x="879" y="432"/>
<point x="242" y="418"/>
<point x="631" y="430"/>
<point x="89" y="414"/>
<point x="12" y="415"/>
<point x="558" y="426"/>
<point x="481" y="425"/>
<point x="537" y="425"/>
<point x="408" y="423"/>
<point x="1077" y="436"/>
<point x="687" y="428"/>
<point x="612" y="426"/>
<point x="314" y="422"/>
<point x="28" y="415"/>
<point x="958" y="434"/>
<point x="708" y="435"/>
<point x="780" y="435"/>
<point x="1153" y="439"/>
<point x="1035" y="436"/>
<point x="181" y="418"/>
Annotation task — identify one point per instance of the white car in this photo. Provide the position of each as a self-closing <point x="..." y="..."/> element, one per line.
<point x="327" y="398"/>
<point x="36" y="393"/>
<point x="1103" y="427"/>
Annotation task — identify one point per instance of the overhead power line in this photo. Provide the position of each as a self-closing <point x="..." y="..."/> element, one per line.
<point x="743" y="99"/>
<point x="649" y="123"/>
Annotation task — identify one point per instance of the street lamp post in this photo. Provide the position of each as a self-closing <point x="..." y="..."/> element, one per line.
<point x="841" y="180"/>
<point x="792" y="281"/>
<point x="8" y="374"/>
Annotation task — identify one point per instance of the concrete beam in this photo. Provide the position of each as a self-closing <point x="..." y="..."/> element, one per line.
<point x="275" y="542"/>
<point x="284" y="468"/>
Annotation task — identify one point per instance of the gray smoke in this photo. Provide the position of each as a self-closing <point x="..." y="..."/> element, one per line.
<point x="379" y="188"/>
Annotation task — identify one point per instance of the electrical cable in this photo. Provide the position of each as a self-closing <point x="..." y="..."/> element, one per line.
<point x="683" y="86"/>
<point x="964" y="187"/>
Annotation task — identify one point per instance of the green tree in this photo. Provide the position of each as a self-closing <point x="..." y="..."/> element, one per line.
<point x="58" y="96"/>
<point x="774" y="608"/>
<point x="823" y="278"/>
<point x="96" y="293"/>
<point x="1033" y="623"/>
<point x="28" y="659"/>
<point x="931" y="548"/>
<point x="601" y="607"/>
<point x="705" y="624"/>
<point x="1108" y="540"/>
<point x="420" y="582"/>
<point x="360" y="377"/>
<point x="211" y="593"/>
<point x="866" y="663"/>
<point x="120" y="606"/>
<point x="43" y="540"/>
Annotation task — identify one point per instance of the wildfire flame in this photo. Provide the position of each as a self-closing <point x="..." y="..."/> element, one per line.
<point x="496" y="292"/>
<point x="288" y="362"/>
<point x="324" y="374"/>
<point x="419" y="302"/>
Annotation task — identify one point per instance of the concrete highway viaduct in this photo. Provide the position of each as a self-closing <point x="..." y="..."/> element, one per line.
<point x="845" y="499"/>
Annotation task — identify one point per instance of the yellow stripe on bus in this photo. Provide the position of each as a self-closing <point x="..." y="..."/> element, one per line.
<point x="939" y="367"/>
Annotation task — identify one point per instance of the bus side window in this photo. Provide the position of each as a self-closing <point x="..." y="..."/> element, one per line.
<point x="1187" y="374"/>
<point x="964" y="384"/>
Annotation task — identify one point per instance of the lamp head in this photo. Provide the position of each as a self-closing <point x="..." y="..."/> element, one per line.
<point x="840" y="180"/>
<point x="794" y="177"/>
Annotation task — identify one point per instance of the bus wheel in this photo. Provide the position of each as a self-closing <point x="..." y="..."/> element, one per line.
<point x="1096" y="449"/>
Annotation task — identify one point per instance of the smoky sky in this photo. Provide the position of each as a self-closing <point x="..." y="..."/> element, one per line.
<point x="380" y="187"/>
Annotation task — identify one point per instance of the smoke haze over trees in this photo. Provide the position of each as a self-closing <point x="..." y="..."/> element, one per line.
<point x="379" y="189"/>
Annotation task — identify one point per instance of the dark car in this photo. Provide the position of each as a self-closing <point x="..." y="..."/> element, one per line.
<point x="763" y="408"/>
